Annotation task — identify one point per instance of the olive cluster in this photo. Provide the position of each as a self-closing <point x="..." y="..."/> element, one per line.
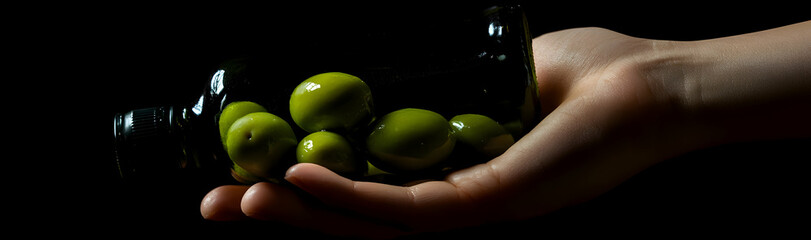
<point x="345" y="136"/>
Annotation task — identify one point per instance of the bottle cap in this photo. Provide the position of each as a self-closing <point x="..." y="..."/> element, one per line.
<point x="146" y="142"/>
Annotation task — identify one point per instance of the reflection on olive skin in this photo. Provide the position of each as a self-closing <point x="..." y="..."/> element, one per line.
<point x="409" y="140"/>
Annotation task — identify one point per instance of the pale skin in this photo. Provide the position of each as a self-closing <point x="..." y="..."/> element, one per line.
<point x="614" y="106"/>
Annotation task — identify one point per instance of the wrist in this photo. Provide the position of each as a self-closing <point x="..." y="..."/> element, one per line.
<point x="673" y="70"/>
<point x="741" y="88"/>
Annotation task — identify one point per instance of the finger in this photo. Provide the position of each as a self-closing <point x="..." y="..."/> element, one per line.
<point x="222" y="203"/>
<point x="268" y="201"/>
<point x="434" y="205"/>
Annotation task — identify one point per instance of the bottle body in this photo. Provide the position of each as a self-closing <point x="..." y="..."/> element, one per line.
<point x="477" y="63"/>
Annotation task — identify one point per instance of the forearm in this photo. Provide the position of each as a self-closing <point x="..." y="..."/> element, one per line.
<point x="748" y="87"/>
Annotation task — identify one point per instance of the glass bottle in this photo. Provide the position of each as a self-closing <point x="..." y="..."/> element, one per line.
<point x="463" y="62"/>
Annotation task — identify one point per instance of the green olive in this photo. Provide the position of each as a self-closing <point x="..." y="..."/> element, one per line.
<point x="234" y="111"/>
<point x="331" y="101"/>
<point x="374" y="171"/>
<point x="243" y="176"/>
<point x="331" y="151"/>
<point x="258" y="141"/>
<point x="410" y="140"/>
<point x="482" y="133"/>
<point x="515" y="128"/>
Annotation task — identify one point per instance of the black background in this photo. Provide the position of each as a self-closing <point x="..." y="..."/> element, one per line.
<point x="101" y="60"/>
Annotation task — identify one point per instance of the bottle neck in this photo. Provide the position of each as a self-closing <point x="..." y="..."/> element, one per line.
<point x="147" y="142"/>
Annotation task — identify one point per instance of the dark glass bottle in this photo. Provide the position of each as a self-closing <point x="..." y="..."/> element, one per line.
<point x="468" y="61"/>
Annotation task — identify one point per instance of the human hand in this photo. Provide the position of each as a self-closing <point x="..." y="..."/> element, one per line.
<point x="614" y="106"/>
<point x="601" y="113"/>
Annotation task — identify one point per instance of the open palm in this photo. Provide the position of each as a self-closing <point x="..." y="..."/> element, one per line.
<point x="613" y="105"/>
<point x="603" y="115"/>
